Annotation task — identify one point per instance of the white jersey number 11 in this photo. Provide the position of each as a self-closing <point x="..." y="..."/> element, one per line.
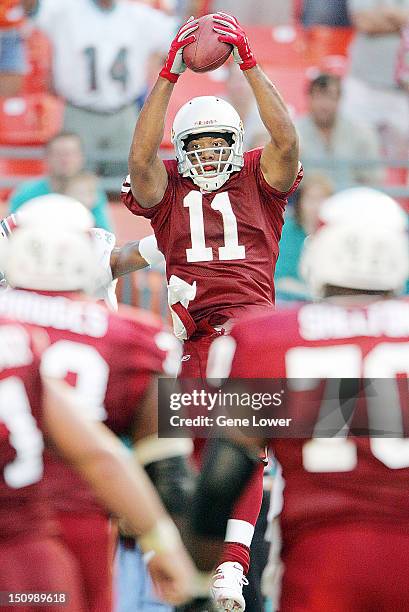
<point x="199" y="251"/>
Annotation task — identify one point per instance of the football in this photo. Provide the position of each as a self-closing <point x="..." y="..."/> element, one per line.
<point x="207" y="52"/>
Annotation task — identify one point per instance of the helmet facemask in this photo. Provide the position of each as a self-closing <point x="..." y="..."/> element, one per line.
<point x="215" y="177"/>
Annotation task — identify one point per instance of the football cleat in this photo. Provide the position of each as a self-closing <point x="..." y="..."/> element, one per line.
<point x="227" y="587"/>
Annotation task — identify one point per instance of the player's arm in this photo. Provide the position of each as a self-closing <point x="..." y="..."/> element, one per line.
<point x="135" y="255"/>
<point x="124" y="488"/>
<point x="380" y="20"/>
<point x="166" y="460"/>
<point x="127" y="259"/>
<point x="280" y="157"/>
<point x="148" y="174"/>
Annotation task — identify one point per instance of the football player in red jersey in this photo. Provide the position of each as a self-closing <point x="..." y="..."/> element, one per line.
<point x="112" y="359"/>
<point x="36" y="568"/>
<point x="217" y="214"/>
<point x="345" y="516"/>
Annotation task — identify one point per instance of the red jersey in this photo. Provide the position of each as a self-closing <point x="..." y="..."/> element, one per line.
<point x="226" y="240"/>
<point x="343" y="479"/>
<point x="23" y="507"/>
<point x="109" y="357"/>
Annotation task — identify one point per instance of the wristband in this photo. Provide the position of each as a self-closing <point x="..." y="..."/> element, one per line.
<point x="162" y="537"/>
<point x="148" y="248"/>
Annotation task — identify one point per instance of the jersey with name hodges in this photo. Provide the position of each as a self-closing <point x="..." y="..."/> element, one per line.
<point x="110" y="358"/>
<point x="224" y="241"/>
<point x="336" y="480"/>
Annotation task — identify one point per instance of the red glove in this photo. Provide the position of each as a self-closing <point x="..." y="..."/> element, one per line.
<point x="174" y="65"/>
<point x="232" y="33"/>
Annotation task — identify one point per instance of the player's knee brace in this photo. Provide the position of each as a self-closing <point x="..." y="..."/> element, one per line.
<point x="166" y="462"/>
<point x="174" y="481"/>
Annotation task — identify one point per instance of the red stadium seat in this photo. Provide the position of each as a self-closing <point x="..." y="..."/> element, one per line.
<point x="22" y="167"/>
<point x="189" y="86"/>
<point x="145" y="289"/>
<point x="291" y="82"/>
<point x="19" y="170"/>
<point x="323" y="41"/>
<point x="30" y="120"/>
<point x="39" y="58"/>
<point x="279" y="45"/>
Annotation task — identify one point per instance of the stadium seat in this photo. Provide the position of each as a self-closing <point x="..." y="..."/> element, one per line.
<point x="190" y="86"/>
<point x="13" y="171"/>
<point x="280" y="45"/>
<point x="145" y="289"/>
<point x="4" y="194"/>
<point x="30" y="120"/>
<point x="291" y="82"/>
<point x="398" y="177"/>
<point x="39" y="58"/>
<point x="323" y="41"/>
<point x="22" y="167"/>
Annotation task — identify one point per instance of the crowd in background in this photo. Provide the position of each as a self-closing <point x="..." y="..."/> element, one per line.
<point x="355" y="119"/>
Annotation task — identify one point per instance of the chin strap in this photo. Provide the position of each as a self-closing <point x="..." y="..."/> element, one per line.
<point x="211" y="183"/>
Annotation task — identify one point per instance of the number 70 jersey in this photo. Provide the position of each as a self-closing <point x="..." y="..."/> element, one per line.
<point x="226" y="241"/>
<point x="349" y="478"/>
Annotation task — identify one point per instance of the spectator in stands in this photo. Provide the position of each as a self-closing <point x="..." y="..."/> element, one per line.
<point x="334" y="144"/>
<point x="371" y="92"/>
<point x="331" y="13"/>
<point x="65" y="160"/>
<point x="12" y="48"/>
<point x="101" y="50"/>
<point x="315" y="188"/>
<point x="84" y="188"/>
<point x="402" y="68"/>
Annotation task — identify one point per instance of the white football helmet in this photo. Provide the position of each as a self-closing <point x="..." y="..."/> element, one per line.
<point x="51" y="249"/>
<point x="363" y="203"/>
<point x="362" y="243"/>
<point x="201" y="115"/>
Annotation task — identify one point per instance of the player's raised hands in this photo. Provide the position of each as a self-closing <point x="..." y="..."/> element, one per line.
<point x="232" y="32"/>
<point x="174" y="64"/>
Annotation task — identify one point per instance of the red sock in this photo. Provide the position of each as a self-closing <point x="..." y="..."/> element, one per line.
<point x="246" y="510"/>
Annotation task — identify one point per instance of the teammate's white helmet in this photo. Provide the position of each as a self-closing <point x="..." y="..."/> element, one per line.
<point x="362" y="244"/>
<point x="208" y="114"/>
<point x="363" y="203"/>
<point x="51" y="248"/>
